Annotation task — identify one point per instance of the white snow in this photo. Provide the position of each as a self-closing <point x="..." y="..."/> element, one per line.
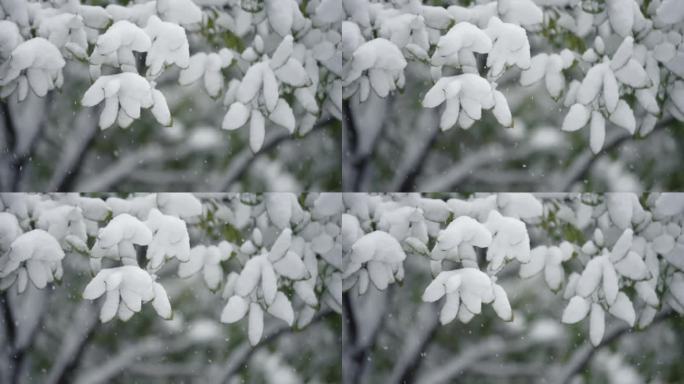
<point x="124" y="95"/>
<point x="169" y="45"/>
<point x="127" y="288"/>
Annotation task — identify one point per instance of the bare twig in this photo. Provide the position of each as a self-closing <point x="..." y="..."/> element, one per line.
<point x="416" y="342"/>
<point x="129" y="162"/>
<point x="349" y="317"/>
<point x="28" y="319"/>
<point x="506" y="370"/>
<point x="22" y="156"/>
<point x="167" y="370"/>
<point x="356" y="349"/>
<point x="472" y="163"/>
<point x="10" y="129"/>
<point x="244" y="351"/>
<point x="582" y="356"/>
<point x="73" y="344"/>
<point x="583" y="162"/>
<point x="75" y="149"/>
<point x="409" y="170"/>
<point x="460" y="363"/>
<point x="351" y="133"/>
<point x="8" y="314"/>
<point x="463" y="362"/>
<point x="243" y="160"/>
<point x="360" y="160"/>
<point x="150" y="346"/>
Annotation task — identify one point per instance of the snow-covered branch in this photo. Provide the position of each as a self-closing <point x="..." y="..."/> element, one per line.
<point x="582" y="356"/>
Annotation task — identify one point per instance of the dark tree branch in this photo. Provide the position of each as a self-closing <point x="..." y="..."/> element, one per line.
<point x="582" y="356"/>
<point x="494" y="153"/>
<point x="75" y="151"/>
<point x="583" y="162"/>
<point x="26" y="335"/>
<point x="20" y="159"/>
<point x="10" y="129"/>
<point x="349" y="318"/>
<point x="463" y="362"/>
<point x="405" y="178"/>
<point x="167" y="370"/>
<point x="243" y="160"/>
<point x="506" y="370"/>
<point x="356" y="350"/>
<point x="130" y="162"/>
<point x="74" y="344"/>
<point x="416" y="342"/>
<point x="361" y="158"/>
<point x="244" y="351"/>
<point x="8" y="315"/>
<point x="350" y="129"/>
<point x="147" y="347"/>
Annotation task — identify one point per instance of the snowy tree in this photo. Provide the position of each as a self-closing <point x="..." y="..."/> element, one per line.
<point x="421" y="78"/>
<point x="538" y="261"/>
<point x="139" y="281"/>
<point x="90" y="92"/>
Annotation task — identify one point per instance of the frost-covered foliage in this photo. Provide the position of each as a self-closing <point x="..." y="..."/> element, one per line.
<point x="603" y="63"/>
<point x="410" y="30"/>
<point x="620" y="253"/>
<point x="274" y="63"/>
<point x="39" y="38"/>
<point x="467" y="49"/>
<point x="277" y="253"/>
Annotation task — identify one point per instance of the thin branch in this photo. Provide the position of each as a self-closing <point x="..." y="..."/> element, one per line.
<point x="73" y="344"/>
<point x="75" y="149"/>
<point x="243" y="160"/>
<point x="244" y="351"/>
<point x="505" y="180"/>
<point x="495" y="153"/>
<point x="168" y="370"/>
<point x="349" y="318"/>
<point x="10" y="129"/>
<point x="21" y="159"/>
<point x="583" y="162"/>
<point x="506" y="370"/>
<point x="150" y="346"/>
<point x="582" y="356"/>
<point x="361" y="158"/>
<point x="408" y="171"/>
<point x="460" y="363"/>
<point x="8" y="313"/>
<point x="126" y="164"/>
<point x="32" y="315"/>
<point x="350" y="127"/>
<point x="355" y="351"/>
<point x="471" y="354"/>
<point x="415" y="344"/>
<point x="129" y="162"/>
<point x="167" y="177"/>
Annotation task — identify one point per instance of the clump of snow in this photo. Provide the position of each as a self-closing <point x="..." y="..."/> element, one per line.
<point x="124" y="95"/>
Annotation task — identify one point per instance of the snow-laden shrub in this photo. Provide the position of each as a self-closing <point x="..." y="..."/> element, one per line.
<point x="275" y="253"/>
<point x="618" y="61"/>
<point x="272" y="61"/>
<point x="619" y="253"/>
